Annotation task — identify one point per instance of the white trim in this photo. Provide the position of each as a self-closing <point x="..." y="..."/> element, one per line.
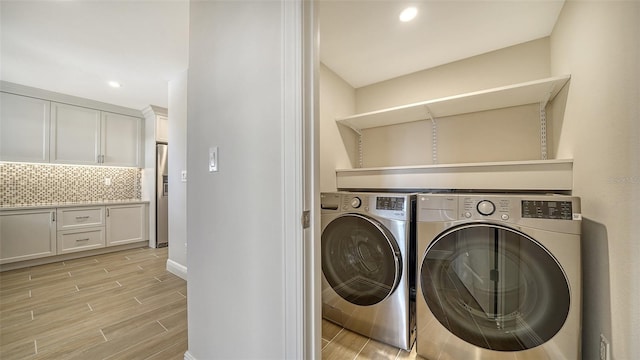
<point x="312" y="260"/>
<point x="188" y="356"/>
<point x="177" y="269"/>
<point x="23" y="90"/>
<point x="292" y="179"/>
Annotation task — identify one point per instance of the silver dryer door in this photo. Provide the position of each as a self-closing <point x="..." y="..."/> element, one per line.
<point x="494" y="287"/>
<point x="361" y="260"/>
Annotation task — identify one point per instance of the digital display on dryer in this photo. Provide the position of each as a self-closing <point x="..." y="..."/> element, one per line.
<point x="389" y="203"/>
<point x="562" y="210"/>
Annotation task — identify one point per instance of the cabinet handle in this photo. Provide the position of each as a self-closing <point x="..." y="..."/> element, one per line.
<point x="53" y="216"/>
<point x="82" y="239"/>
<point x="107" y="212"/>
<point x="82" y="217"/>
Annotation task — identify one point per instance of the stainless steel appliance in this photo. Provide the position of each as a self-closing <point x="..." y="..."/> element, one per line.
<point x="162" y="196"/>
<point x="368" y="241"/>
<point x="498" y="277"/>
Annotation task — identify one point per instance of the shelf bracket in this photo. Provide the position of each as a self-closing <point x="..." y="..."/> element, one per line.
<point x="543" y="127"/>
<point x="434" y="135"/>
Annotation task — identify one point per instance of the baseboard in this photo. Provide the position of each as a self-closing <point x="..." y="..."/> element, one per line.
<point x="188" y="356"/>
<point x="177" y="269"/>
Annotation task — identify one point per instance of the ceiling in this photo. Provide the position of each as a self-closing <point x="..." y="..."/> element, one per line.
<point x="76" y="47"/>
<point x="364" y="42"/>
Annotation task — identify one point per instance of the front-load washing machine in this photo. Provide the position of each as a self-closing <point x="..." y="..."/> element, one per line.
<point x="498" y="277"/>
<point x="368" y="264"/>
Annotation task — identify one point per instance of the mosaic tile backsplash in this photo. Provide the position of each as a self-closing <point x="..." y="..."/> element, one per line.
<point x="24" y="184"/>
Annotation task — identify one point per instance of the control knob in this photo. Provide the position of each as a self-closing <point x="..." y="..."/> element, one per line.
<point x="486" y="207"/>
<point x="356" y="202"/>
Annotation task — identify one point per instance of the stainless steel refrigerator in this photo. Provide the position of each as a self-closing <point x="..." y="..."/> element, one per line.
<point x="162" y="196"/>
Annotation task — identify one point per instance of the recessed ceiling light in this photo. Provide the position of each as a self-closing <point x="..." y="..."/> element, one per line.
<point x="408" y="14"/>
<point x="114" y="84"/>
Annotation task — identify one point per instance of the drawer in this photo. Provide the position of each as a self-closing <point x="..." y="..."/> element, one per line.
<point x="80" y="240"/>
<point x="74" y="218"/>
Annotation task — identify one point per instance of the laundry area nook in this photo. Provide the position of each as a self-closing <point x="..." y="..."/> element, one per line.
<point x="320" y="180"/>
<point x="452" y="216"/>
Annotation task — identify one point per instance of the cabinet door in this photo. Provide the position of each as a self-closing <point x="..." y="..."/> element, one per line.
<point x="75" y="134"/>
<point x="24" y="128"/>
<point x="121" y="140"/>
<point x="162" y="128"/>
<point x="27" y="234"/>
<point x="126" y="224"/>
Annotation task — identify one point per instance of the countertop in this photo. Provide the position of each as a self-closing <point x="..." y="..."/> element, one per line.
<point x="36" y="206"/>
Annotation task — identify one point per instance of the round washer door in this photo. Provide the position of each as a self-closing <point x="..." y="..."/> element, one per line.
<point x="360" y="259"/>
<point x="494" y="287"/>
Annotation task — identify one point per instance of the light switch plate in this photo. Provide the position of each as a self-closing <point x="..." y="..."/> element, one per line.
<point x="183" y="176"/>
<point x="213" y="159"/>
<point x="107" y="181"/>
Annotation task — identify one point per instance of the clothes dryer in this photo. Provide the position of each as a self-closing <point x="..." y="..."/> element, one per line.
<point x="368" y="264"/>
<point x="498" y="277"/>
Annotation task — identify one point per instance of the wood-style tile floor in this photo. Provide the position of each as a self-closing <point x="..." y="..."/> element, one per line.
<point x="341" y="344"/>
<point x="122" y="305"/>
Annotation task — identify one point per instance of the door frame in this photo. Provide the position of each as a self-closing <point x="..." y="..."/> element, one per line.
<point x="300" y="180"/>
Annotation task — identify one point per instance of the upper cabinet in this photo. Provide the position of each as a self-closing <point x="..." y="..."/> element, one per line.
<point x="24" y="128"/>
<point x="75" y="135"/>
<point x="121" y="140"/>
<point x="38" y="130"/>
<point x="162" y="128"/>
<point x="538" y="91"/>
<point x="157" y="124"/>
<point x="91" y="137"/>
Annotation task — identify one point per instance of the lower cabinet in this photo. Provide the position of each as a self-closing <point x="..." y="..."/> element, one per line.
<point x="126" y="224"/>
<point x="80" y="240"/>
<point x="27" y="234"/>
<point x="32" y="234"/>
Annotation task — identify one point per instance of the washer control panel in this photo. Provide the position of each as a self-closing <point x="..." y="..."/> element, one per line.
<point x="541" y="209"/>
<point x="490" y="207"/>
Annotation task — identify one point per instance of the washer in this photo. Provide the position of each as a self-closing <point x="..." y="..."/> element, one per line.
<point x="498" y="277"/>
<point x="368" y="264"/>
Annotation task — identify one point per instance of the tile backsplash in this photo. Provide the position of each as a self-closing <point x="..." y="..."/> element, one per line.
<point x="22" y="184"/>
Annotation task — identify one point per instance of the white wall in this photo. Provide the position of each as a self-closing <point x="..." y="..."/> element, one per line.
<point x="235" y="216"/>
<point x="523" y="62"/>
<point x="338" y="144"/>
<point x="599" y="44"/>
<point x="177" y="262"/>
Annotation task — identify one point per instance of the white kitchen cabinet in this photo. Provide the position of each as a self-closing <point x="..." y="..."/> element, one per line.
<point x="80" y="229"/>
<point x="87" y="136"/>
<point x="27" y="234"/>
<point x="162" y="129"/>
<point x="81" y="217"/>
<point x="24" y="128"/>
<point x="121" y="140"/>
<point x="80" y="240"/>
<point x="126" y="224"/>
<point x="75" y="135"/>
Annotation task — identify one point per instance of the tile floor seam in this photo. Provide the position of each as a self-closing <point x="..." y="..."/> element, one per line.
<point x="363" y="346"/>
